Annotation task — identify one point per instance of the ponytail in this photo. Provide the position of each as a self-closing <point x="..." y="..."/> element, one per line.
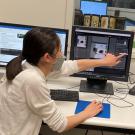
<point x="14" y="67"/>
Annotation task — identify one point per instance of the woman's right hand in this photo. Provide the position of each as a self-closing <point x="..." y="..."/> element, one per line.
<point x="93" y="109"/>
<point x="112" y="60"/>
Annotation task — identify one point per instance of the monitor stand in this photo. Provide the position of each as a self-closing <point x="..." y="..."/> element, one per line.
<point x="96" y="86"/>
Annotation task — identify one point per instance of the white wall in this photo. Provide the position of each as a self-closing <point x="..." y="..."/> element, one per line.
<point x="77" y="4"/>
<point x="36" y="12"/>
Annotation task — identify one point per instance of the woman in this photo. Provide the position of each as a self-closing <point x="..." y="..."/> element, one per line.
<point x="24" y="96"/>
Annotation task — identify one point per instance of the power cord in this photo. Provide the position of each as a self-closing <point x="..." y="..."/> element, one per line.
<point x="123" y="91"/>
<point x="118" y="90"/>
<point x="104" y="97"/>
<point x="131" y="78"/>
<point x="119" y="98"/>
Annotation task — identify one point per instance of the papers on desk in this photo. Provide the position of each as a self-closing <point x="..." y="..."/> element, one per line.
<point x="105" y="113"/>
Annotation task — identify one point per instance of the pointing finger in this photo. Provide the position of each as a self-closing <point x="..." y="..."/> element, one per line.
<point x="121" y="55"/>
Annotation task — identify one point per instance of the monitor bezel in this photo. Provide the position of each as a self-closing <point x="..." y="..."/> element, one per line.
<point x="33" y="26"/>
<point x="125" y="76"/>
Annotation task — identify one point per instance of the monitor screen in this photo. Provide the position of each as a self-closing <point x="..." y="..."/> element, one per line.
<point x="94" y="43"/>
<point x="11" y="40"/>
<point x="91" y="7"/>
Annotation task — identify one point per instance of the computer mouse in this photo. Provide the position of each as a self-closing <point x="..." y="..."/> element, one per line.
<point x="132" y="91"/>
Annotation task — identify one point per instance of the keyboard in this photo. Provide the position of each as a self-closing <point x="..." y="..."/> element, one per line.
<point x="64" y="95"/>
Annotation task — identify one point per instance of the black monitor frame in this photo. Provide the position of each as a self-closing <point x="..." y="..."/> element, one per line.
<point x="32" y="26"/>
<point x="101" y="79"/>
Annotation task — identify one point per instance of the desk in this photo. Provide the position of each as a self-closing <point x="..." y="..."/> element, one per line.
<point x="121" y="118"/>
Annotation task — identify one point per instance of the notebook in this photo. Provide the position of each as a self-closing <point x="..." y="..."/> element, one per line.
<point x="105" y="113"/>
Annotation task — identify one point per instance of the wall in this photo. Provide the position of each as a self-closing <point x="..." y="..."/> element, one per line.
<point x="77" y="4"/>
<point x="42" y="12"/>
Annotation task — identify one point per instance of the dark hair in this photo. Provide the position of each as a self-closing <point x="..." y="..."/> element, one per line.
<point x="36" y="43"/>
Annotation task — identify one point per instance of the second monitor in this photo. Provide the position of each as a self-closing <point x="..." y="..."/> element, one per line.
<point x="94" y="43"/>
<point x="11" y="40"/>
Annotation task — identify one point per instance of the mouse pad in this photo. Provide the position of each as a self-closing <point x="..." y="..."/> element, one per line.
<point x="105" y="113"/>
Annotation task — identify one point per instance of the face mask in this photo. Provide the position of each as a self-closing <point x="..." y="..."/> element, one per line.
<point x="59" y="61"/>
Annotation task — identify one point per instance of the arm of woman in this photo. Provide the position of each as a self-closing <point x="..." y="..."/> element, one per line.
<point x="108" y="60"/>
<point x="91" y="110"/>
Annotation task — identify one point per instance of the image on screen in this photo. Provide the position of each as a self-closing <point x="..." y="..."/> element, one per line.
<point x="81" y="41"/>
<point x="90" y="7"/>
<point x="95" y="43"/>
<point x="11" y="40"/>
<point x="98" y="50"/>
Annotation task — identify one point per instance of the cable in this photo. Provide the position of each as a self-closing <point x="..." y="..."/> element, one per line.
<point x="104" y="97"/>
<point x="116" y="97"/>
<point x="118" y="90"/>
<point x="87" y="130"/>
<point x="131" y="80"/>
<point x="121" y="92"/>
<point x="131" y="73"/>
<point x="122" y="83"/>
<point x="108" y="97"/>
<point x="130" y="104"/>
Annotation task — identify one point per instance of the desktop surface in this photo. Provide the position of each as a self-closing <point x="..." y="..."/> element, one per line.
<point x="121" y="115"/>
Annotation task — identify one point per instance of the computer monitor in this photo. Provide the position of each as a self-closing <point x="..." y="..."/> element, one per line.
<point x="11" y="40"/>
<point x="91" y="7"/>
<point x="94" y="43"/>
